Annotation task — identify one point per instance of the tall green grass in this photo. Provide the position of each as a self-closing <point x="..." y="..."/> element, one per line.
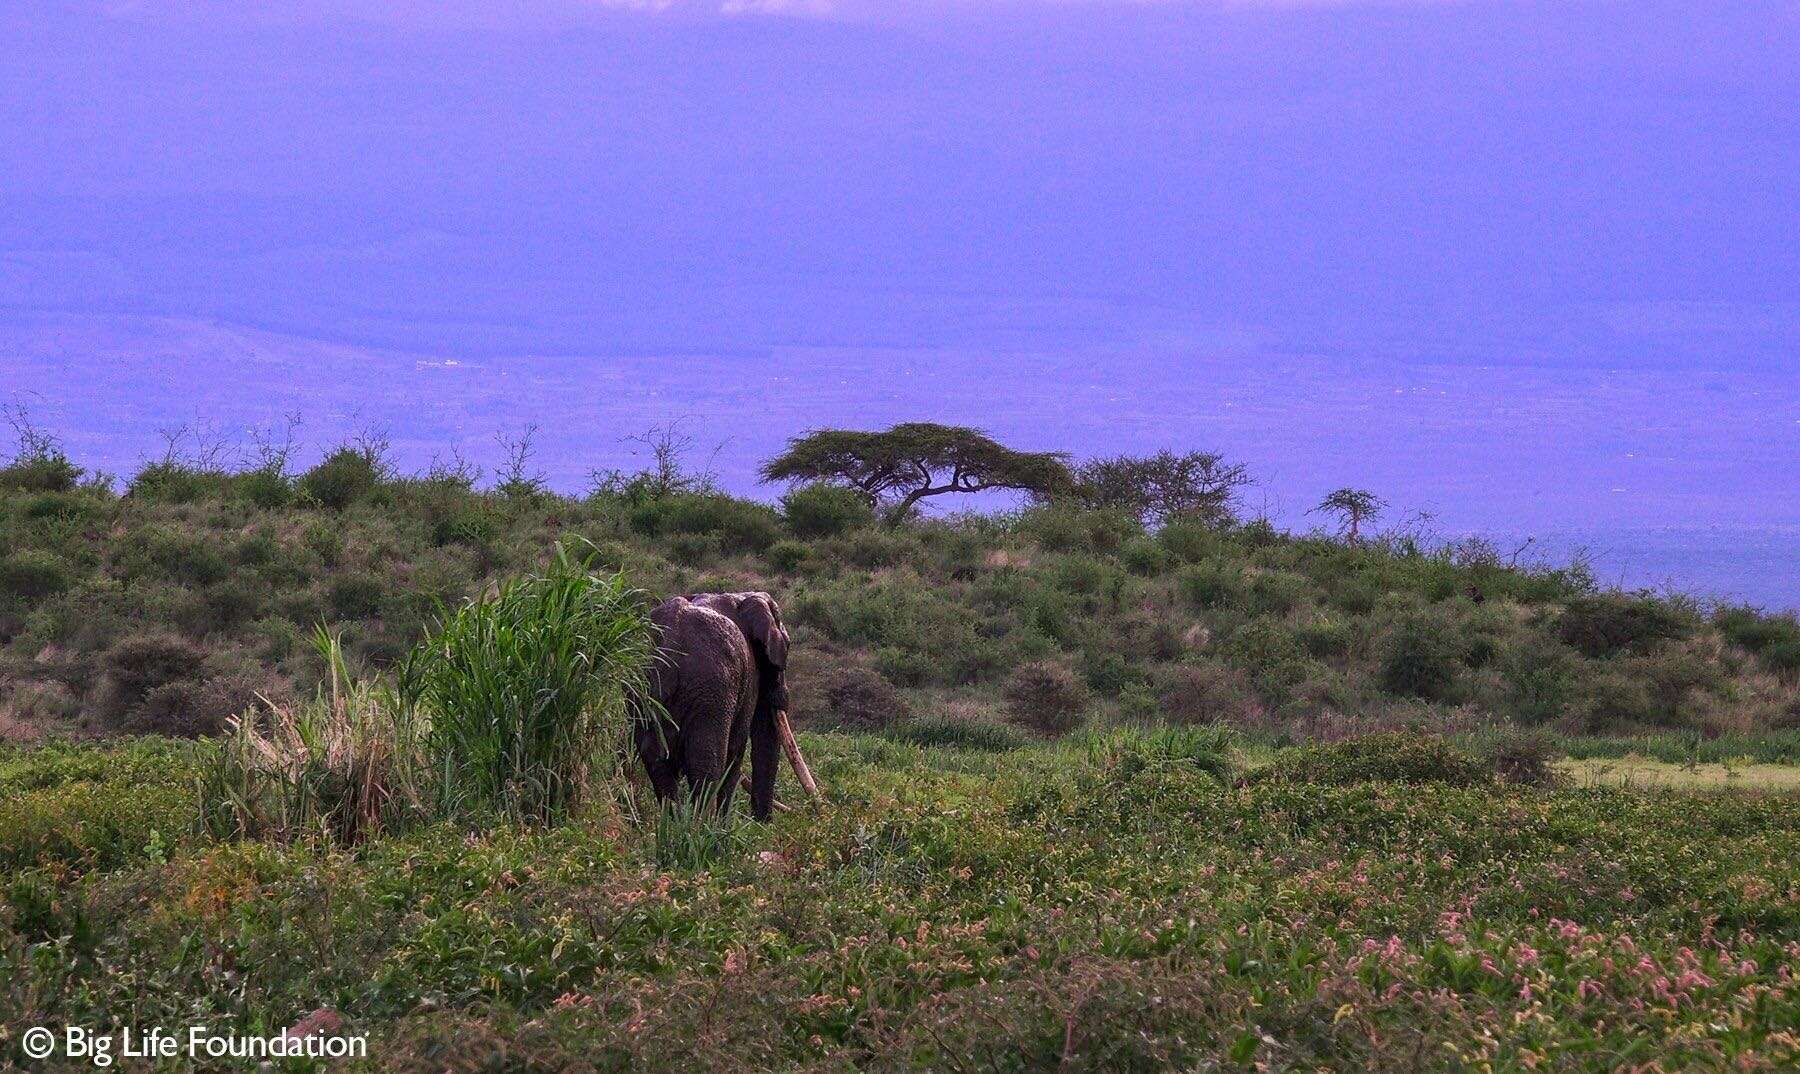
<point x="690" y="835"/>
<point x="527" y="689"/>
<point x="340" y="768"/>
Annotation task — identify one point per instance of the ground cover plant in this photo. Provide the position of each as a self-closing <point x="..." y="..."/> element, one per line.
<point x="1121" y="900"/>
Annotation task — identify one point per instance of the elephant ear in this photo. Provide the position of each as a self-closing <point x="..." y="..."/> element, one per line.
<point x="759" y="617"/>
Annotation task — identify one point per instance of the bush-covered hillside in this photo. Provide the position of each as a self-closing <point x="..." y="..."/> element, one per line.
<point x="166" y="602"/>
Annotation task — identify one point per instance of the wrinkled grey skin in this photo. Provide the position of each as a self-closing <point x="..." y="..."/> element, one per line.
<point x="719" y="675"/>
<point x="759" y="618"/>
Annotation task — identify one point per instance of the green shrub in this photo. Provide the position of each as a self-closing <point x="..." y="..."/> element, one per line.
<point x="1421" y="657"/>
<point x="1066" y="528"/>
<point x="1755" y="630"/>
<point x="266" y="487"/>
<point x="357" y="596"/>
<point x="343" y="477"/>
<point x="1192" y="541"/>
<point x="904" y="668"/>
<point x="325" y="541"/>
<point x="1142" y="555"/>
<point x="788" y="557"/>
<point x="1326" y="638"/>
<point x="1275" y="593"/>
<point x="694" y="549"/>
<point x="1271" y="655"/>
<point x="34" y="575"/>
<point x="1539" y="679"/>
<point x="858" y="699"/>
<point x="873" y="549"/>
<point x="1783" y="656"/>
<point x="42" y="469"/>
<point x="1611" y="699"/>
<point x="1087" y="576"/>
<point x="177" y="555"/>
<point x="525" y="687"/>
<point x="1046" y="697"/>
<point x="1609" y="623"/>
<point x="174" y="482"/>
<point x="1211" y="584"/>
<point x="1111" y="674"/>
<point x="1773" y="638"/>
<point x="825" y="510"/>
<point x="473" y="525"/>
<point x="1388" y="757"/>
<point x="737" y="525"/>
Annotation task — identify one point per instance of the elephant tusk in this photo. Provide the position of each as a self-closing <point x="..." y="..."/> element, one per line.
<point x="785" y="731"/>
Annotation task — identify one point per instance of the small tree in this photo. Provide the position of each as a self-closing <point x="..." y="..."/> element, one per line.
<point x="897" y="468"/>
<point x="1160" y="487"/>
<point x="40" y="464"/>
<point x="1352" y="507"/>
<point x="667" y="473"/>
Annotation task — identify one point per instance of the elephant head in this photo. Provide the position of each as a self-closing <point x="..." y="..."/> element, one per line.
<point x="759" y="617"/>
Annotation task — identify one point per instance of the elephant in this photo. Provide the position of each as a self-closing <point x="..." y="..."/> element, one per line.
<point x="720" y="675"/>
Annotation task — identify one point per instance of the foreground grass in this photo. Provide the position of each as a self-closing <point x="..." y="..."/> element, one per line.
<point x="957" y="910"/>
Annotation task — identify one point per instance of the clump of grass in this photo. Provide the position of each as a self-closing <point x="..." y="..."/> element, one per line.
<point x="1046" y="697"/>
<point x="1385" y="757"/>
<point x="1524" y="757"/>
<point x="691" y="833"/>
<point x="1212" y="750"/>
<point x="340" y="768"/>
<point x="525" y="685"/>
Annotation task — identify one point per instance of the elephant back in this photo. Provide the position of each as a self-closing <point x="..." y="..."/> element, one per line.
<point x="699" y="651"/>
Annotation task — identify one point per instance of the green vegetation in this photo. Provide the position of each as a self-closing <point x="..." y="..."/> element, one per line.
<point x="522" y="690"/>
<point x="1116" y="782"/>
<point x="899" y="467"/>
<point x="1121" y="900"/>
<point x="174" y="607"/>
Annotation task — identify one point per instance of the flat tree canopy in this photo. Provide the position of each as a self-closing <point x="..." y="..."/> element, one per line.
<point x="911" y="461"/>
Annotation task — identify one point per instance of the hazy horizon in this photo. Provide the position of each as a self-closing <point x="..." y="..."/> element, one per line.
<point x="1534" y="268"/>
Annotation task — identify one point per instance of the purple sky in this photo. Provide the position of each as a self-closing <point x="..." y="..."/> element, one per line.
<point x="1579" y="221"/>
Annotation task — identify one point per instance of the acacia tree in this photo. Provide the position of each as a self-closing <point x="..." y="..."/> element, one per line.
<point x="897" y="468"/>
<point x="1160" y="487"/>
<point x="1353" y="507"/>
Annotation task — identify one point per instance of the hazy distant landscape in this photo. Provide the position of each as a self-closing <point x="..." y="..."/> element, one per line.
<point x="1664" y="476"/>
<point x="1528" y="267"/>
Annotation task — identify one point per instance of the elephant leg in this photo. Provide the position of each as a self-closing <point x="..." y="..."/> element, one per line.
<point x="661" y="754"/>
<point x="705" y="766"/>
<point x="728" y="786"/>
<point x="765" y="761"/>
